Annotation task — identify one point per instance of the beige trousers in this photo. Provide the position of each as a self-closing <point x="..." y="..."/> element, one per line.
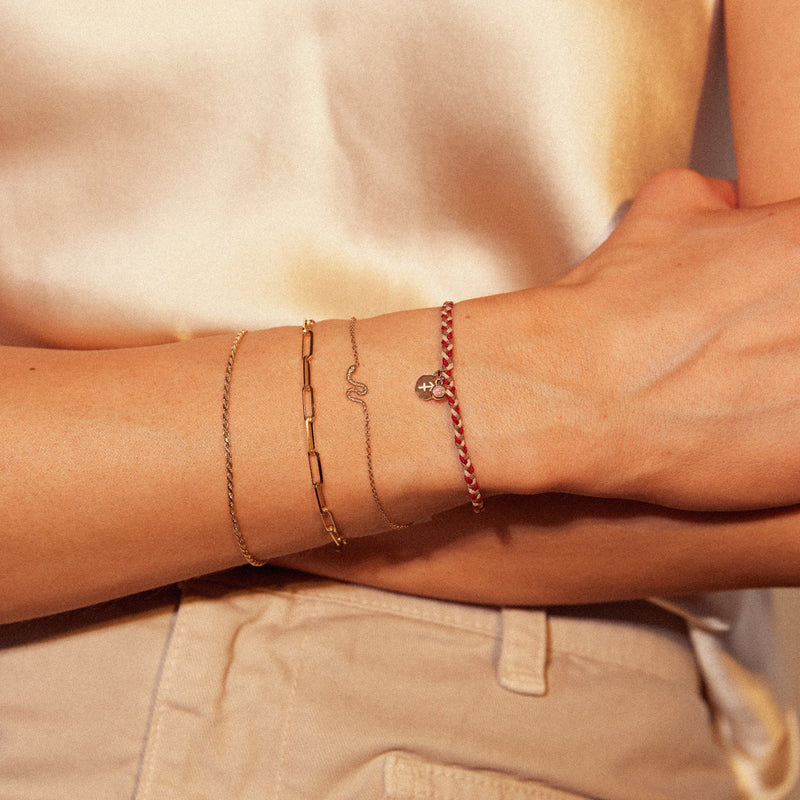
<point x="269" y="685"/>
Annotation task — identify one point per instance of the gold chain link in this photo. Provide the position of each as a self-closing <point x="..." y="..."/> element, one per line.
<point x="309" y="415"/>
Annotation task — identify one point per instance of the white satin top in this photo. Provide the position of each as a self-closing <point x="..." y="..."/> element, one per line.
<point x="166" y="174"/>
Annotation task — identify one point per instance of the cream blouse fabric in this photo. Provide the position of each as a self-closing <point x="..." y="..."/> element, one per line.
<point x="167" y="172"/>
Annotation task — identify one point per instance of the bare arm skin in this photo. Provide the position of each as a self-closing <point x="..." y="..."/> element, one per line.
<point x="764" y="68"/>
<point x="557" y="549"/>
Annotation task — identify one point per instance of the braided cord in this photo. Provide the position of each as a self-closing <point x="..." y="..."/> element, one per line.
<point x="455" y="409"/>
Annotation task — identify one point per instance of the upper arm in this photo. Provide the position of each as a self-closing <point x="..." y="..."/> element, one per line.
<point x="763" y="40"/>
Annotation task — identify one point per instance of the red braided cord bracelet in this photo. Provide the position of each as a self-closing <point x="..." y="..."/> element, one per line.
<point x="441" y="386"/>
<point x="455" y="409"/>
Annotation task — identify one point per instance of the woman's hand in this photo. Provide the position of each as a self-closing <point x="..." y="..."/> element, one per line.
<point x="665" y="368"/>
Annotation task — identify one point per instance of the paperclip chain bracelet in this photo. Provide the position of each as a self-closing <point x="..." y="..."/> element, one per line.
<point x="441" y="386"/>
<point x="226" y="400"/>
<point x="309" y="415"/>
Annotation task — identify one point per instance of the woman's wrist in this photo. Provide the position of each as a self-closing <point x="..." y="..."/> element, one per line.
<point x="416" y="464"/>
<point x="415" y="468"/>
<point x="529" y="393"/>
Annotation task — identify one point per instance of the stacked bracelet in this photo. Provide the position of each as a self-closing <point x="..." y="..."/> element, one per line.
<point x="309" y="415"/>
<point x="356" y="393"/>
<point x="226" y="398"/>
<point x="441" y="386"/>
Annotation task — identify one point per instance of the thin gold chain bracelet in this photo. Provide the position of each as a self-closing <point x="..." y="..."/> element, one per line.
<point x="226" y="400"/>
<point x="356" y="393"/>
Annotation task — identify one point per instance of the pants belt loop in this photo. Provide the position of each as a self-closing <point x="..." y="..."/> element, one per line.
<point x="522" y="664"/>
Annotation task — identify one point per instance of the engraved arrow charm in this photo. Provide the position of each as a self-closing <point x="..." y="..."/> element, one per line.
<point x="430" y="387"/>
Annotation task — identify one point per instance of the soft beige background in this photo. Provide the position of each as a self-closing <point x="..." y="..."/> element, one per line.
<point x="787" y="610"/>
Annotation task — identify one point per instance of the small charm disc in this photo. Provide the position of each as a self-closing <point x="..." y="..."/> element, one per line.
<point x="430" y="387"/>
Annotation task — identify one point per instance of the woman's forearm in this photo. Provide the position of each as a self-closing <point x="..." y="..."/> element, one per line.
<point x="763" y="45"/>
<point x="561" y="549"/>
<point x="113" y="473"/>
